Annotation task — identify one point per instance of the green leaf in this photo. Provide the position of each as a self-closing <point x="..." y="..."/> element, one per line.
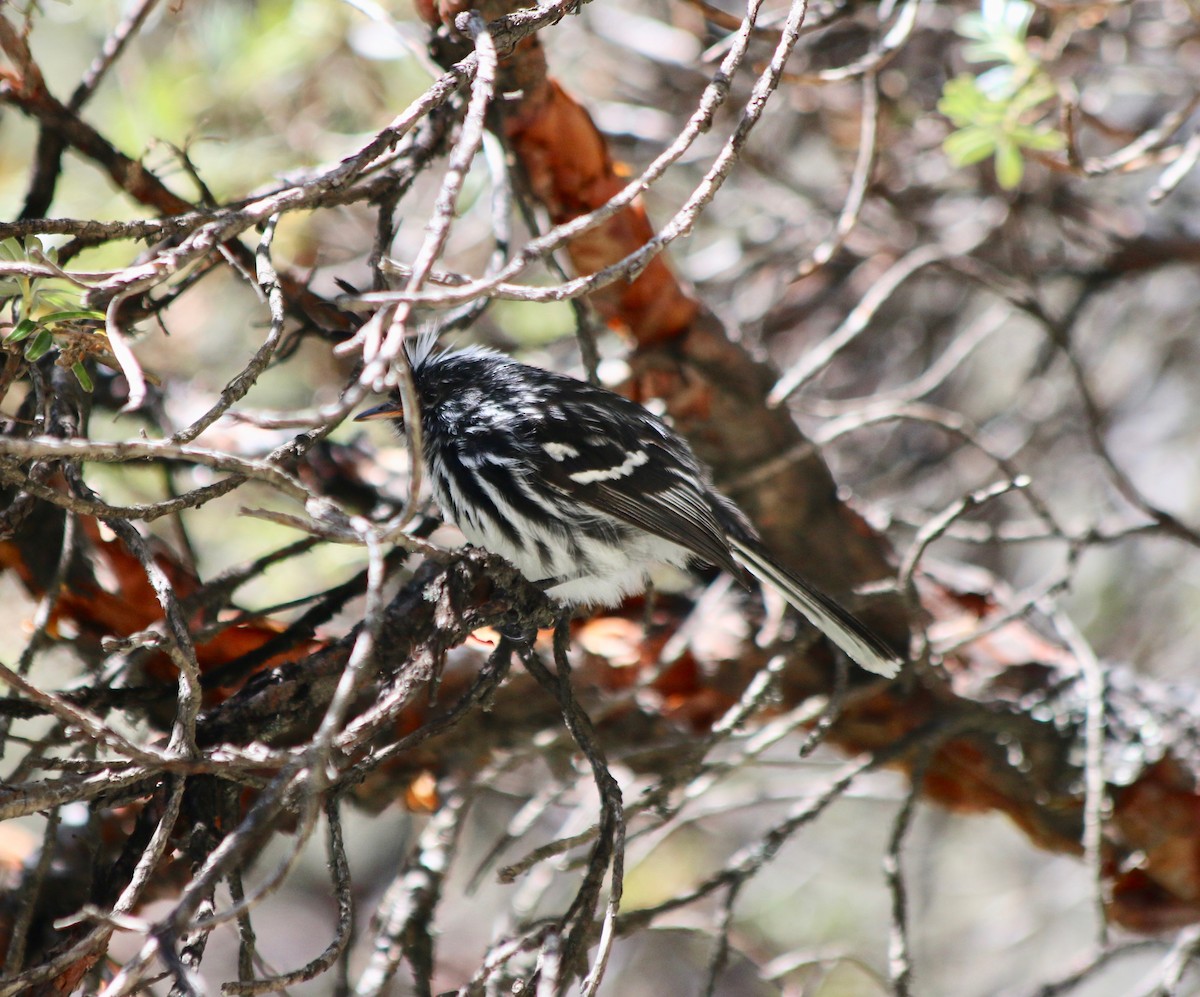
<point x="1000" y="85"/>
<point x="82" y="375"/>
<point x="40" y="346"/>
<point x="71" y="315"/>
<point x="1043" y="140"/>
<point x="58" y="298"/>
<point x="969" y="145"/>
<point x="1032" y="93"/>
<point x="962" y="101"/>
<point x="1010" y="167"/>
<point x="1010" y="17"/>
<point x="22" y="330"/>
<point x="999" y="29"/>
<point x="973" y="26"/>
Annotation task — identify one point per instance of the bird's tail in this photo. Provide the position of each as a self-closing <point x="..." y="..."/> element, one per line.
<point x="842" y="627"/>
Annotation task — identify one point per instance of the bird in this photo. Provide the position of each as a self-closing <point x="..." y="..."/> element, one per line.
<point x="585" y="491"/>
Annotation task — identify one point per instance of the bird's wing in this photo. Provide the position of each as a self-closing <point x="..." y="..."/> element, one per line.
<point x="639" y="480"/>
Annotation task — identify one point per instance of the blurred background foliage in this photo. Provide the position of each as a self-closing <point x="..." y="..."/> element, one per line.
<point x="243" y="92"/>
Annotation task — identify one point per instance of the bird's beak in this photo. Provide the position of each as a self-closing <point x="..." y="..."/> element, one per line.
<point x="388" y="410"/>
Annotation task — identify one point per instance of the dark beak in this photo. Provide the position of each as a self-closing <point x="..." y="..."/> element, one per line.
<point x="388" y="410"/>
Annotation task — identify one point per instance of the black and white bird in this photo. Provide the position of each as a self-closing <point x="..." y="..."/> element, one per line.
<point x="586" y="492"/>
